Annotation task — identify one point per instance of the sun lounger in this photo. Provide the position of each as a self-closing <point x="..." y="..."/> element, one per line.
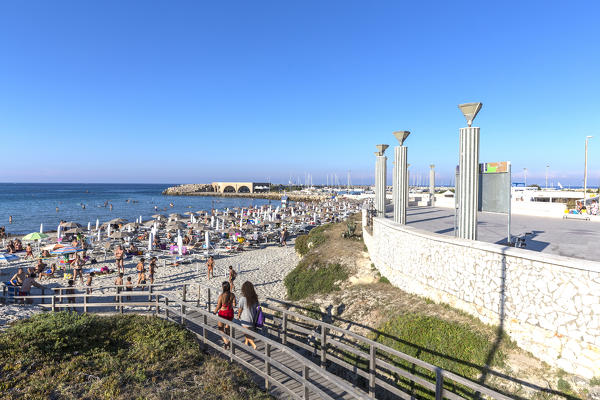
<point x="584" y="217"/>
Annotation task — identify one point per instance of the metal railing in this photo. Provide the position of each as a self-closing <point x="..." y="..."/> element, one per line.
<point x="355" y="365"/>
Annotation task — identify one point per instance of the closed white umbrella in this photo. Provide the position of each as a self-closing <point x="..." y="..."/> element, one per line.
<point x="99" y="232"/>
<point x="108" y="230"/>
<point x="212" y="221"/>
<point x="41" y="228"/>
<point x="89" y="226"/>
<point x="150" y="240"/>
<point x="58" y="232"/>
<point x="206" y="240"/>
<point x="97" y="223"/>
<point x="180" y="245"/>
<point x="140" y="219"/>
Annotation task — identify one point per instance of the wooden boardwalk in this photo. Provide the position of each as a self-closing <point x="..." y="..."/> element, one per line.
<point x="296" y="357"/>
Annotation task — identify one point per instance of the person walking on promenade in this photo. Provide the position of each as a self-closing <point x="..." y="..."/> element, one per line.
<point x="119" y="254"/>
<point x="284" y="236"/>
<point x="247" y="311"/>
<point x="224" y="309"/>
<point x="152" y="269"/>
<point x="210" y="265"/>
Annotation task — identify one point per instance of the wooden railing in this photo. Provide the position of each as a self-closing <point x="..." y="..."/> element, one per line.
<point x="355" y="365"/>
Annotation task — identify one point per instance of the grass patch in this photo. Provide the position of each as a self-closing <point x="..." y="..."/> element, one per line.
<point x="312" y="240"/>
<point x="383" y="279"/>
<point x="70" y="355"/>
<point x="313" y="277"/>
<point x="452" y="346"/>
<point x="595" y="381"/>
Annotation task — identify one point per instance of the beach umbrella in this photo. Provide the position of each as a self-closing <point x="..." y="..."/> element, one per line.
<point x="150" y="240"/>
<point x="64" y="250"/>
<point x="35" y="236"/>
<point x="206" y="240"/>
<point x="116" y="221"/>
<point x="99" y="232"/>
<point x="140" y="219"/>
<point x="97" y="223"/>
<point x="158" y="216"/>
<point x="70" y="224"/>
<point x="108" y="230"/>
<point x="118" y="235"/>
<point x="180" y="245"/>
<point x="74" y="230"/>
<point x="52" y="246"/>
<point x="58" y="232"/>
<point x="41" y="228"/>
<point x="8" y="257"/>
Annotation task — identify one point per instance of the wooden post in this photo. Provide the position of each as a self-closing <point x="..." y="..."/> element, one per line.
<point x="183" y="299"/>
<point x="53" y="303"/>
<point x="439" y="383"/>
<point x="305" y="376"/>
<point x="208" y="301"/>
<point x="156" y="307"/>
<point x="182" y="309"/>
<point x="267" y="366"/>
<point x="199" y="293"/>
<point x="43" y="294"/>
<point x="166" y="308"/>
<point x="85" y="296"/>
<point x="372" y="371"/>
<point x="323" y="346"/>
<point x="284" y="328"/>
<point x="150" y="290"/>
<point x="60" y="293"/>
<point x="205" y="319"/>
<point x="231" y="346"/>
<point x="120" y="294"/>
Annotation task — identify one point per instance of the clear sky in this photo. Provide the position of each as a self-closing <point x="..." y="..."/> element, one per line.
<point x="178" y="91"/>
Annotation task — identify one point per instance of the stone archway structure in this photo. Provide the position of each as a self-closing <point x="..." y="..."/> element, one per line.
<point x="238" y="187"/>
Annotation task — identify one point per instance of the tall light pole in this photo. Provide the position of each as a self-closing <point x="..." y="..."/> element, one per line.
<point x="468" y="165"/>
<point x="380" y="179"/>
<point x="547" y="166"/>
<point x="400" y="183"/>
<point x="587" y="138"/>
<point x="525" y="175"/>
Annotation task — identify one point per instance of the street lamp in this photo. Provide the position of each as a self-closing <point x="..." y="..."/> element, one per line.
<point x="525" y="175"/>
<point x="587" y="138"/>
<point x="547" y="166"/>
<point x="400" y="176"/>
<point x="468" y="166"/>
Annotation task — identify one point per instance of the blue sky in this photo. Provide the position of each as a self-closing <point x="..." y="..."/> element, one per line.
<point x="177" y="91"/>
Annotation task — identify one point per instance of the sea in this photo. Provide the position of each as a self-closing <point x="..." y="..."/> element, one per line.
<point x="32" y="204"/>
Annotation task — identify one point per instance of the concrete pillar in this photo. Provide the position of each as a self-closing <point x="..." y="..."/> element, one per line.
<point x="380" y="179"/>
<point x="468" y="184"/>
<point x="432" y="185"/>
<point x="400" y="184"/>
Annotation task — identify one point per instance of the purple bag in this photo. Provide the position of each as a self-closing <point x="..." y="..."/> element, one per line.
<point x="260" y="318"/>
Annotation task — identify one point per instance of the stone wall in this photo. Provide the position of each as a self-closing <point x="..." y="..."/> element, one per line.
<point x="549" y="305"/>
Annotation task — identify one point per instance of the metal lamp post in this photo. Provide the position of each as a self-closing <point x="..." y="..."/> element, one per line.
<point x="525" y="175"/>
<point x="587" y="138"/>
<point x="400" y="184"/>
<point x="432" y="185"/>
<point x="380" y="179"/>
<point x="468" y="185"/>
<point x="547" y="166"/>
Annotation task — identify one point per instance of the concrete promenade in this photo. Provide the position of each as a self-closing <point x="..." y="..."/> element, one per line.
<point x="570" y="238"/>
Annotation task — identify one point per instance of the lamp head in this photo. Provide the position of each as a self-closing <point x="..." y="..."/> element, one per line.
<point x="589" y="137"/>
<point x="401" y="136"/>
<point x="470" y="111"/>
<point x="432" y="166"/>
<point x="381" y="149"/>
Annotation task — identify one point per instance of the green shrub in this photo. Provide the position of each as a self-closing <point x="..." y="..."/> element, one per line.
<point x="563" y="385"/>
<point x="452" y="346"/>
<point x="595" y="381"/>
<point x="313" y="277"/>
<point x="70" y="355"/>
<point x="383" y="279"/>
<point x="313" y="239"/>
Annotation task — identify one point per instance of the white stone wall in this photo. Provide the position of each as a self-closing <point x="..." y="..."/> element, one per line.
<point x="551" y="304"/>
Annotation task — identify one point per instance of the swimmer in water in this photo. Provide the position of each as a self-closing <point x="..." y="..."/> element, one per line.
<point x="110" y="206"/>
<point x="171" y="204"/>
<point x="10" y="219"/>
<point x="56" y="209"/>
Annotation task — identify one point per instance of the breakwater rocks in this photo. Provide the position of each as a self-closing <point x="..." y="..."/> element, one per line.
<point x="197" y="189"/>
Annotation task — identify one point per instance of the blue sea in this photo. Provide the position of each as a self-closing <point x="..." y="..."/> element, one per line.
<point x="31" y="204"/>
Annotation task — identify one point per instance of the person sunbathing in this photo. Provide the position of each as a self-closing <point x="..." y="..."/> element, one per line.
<point x="40" y="266"/>
<point x="10" y="247"/>
<point x="49" y="273"/>
<point x="45" y="254"/>
<point x="18" y="245"/>
<point x="18" y="278"/>
<point x="29" y="252"/>
<point x="132" y="249"/>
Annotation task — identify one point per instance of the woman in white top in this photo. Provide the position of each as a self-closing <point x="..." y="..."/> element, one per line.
<point x="247" y="310"/>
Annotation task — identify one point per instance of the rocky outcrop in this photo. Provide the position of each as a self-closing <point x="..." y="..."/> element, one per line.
<point x="189" y="188"/>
